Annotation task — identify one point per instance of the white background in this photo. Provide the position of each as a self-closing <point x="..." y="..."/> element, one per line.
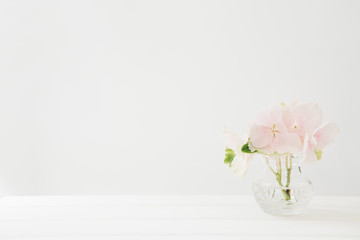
<point x="130" y="97"/>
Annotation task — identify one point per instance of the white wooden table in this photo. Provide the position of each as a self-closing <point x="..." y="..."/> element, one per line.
<point x="172" y="217"/>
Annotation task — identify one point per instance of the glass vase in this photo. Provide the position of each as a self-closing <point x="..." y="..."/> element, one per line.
<point x="282" y="189"/>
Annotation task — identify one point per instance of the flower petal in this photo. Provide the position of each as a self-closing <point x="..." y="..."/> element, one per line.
<point x="232" y="140"/>
<point x="326" y="135"/>
<point x="240" y="164"/>
<point x="309" y="154"/>
<point x="302" y="118"/>
<point x="260" y="136"/>
<point x="286" y="143"/>
<point x="269" y="116"/>
<point x="312" y="117"/>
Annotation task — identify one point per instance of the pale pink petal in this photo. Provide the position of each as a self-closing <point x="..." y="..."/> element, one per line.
<point x="260" y="136"/>
<point x="291" y="122"/>
<point x="269" y="116"/>
<point x="308" y="142"/>
<point x="326" y="135"/>
<point x="266" y="150"/>
<point x="287" y="114"/>
<point x="309" y="154"/>
<point x="302" y="118"/>
<point x="311" y="116"/>
<point x="286" y="143"/>
<point x="280" y="127"/>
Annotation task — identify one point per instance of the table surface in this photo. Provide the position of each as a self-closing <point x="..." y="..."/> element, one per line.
<point x="172" y="217"/>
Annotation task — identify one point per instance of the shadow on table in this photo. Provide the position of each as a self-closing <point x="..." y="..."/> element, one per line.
<point x="327" y="214"/>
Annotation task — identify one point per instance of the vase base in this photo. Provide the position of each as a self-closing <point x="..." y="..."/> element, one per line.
<point x="283" y="208"/>
<point x="273" y="200"/>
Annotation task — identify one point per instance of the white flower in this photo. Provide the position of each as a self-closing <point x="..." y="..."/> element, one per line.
<point x="240" y="162"/>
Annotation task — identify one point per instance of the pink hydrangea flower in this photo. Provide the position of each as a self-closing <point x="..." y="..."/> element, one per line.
<point x="301" y="119"/>
<point x="270" y="135"/>
<point x="286" y="129"/>
<point x="321" y="138"/>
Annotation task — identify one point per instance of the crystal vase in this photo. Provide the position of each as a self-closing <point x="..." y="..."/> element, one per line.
<point x="282" y="189"/>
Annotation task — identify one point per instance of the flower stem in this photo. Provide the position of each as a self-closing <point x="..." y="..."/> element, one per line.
<point x="278" y="174"/>
<point x="286" y="192"/>
<point x="288" y="173"/>
<point x="288" y="170"/>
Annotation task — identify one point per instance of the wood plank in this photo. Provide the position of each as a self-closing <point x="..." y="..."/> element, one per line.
<point x="172" y="216"/>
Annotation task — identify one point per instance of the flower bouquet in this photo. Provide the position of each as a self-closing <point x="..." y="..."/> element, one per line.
<point x="284" y="135"/>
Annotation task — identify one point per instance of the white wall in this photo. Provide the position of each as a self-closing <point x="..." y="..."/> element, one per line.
<point x="130" y="97"/>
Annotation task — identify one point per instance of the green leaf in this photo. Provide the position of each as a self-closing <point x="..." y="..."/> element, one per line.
<point x="245" y="148"/>
<point x="229" y="156"/>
